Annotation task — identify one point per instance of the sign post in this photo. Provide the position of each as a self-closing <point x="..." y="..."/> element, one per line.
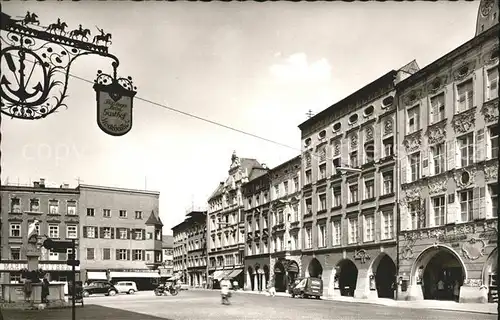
<point x="114" y="98"/>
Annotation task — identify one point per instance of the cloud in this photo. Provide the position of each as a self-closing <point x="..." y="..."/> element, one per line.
<point x="296" y="69"/>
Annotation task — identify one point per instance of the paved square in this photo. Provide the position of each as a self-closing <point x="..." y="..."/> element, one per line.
<point x="206" y="305"/>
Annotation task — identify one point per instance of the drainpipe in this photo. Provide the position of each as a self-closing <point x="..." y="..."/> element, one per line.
<point x="398" y="211"/>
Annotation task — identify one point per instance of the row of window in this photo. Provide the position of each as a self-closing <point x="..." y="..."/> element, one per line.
<point x="223" y="239"/>
<point x="226" y="200"/>
<point x="121" y="254"/>
<point x="53" y="230"/>
<point x="34" y="206"/>
<point x="227" y="260"/>
<point x="474" y="203"/>
<point x="464" y="151"/>
<point x="386" y="231"/>
<point x="464" y="101"/>
<point x="15" y="254"/>
<point x="368" y="191"/>
<point x="106" y="213"/>
<point x="119" y="233"/>
<point x="277" y="245"/>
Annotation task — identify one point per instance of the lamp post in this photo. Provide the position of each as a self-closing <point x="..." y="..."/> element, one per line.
<point x="37" y="61"/>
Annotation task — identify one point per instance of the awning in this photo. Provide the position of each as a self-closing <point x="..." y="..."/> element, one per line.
<point x="234" y="273"/>
<point x="218" y="274"/>
<point x="118" y="274"/>
<point x="95" y="275"/>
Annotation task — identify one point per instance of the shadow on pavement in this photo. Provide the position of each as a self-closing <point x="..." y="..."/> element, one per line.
<point x="89" y="312"/>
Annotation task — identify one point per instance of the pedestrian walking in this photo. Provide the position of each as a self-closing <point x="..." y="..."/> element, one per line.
<point x="271" y="288"/>
<point x="225" y="286"/>
<point x="456" y="291"/>
<point x="440" y="288"/>
<point x="45" y="290"/>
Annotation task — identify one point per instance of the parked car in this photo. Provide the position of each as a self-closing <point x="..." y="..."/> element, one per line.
<point x="100" y="287"/>
<point x="182" y="286"/>
<point x="294" y="284"/>
<point x="308" y="287"/>
<point x="128" y="287"/>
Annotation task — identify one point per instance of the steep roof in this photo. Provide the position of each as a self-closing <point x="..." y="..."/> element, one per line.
<point x="153" y="220"/>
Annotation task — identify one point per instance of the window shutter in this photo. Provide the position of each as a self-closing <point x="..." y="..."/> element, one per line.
<point x="143" y="234"/>
<point x="482" y="203"/>
<point x="85" y="232"/>
<point x="425" y="163"/>
<point x="128" y="254"/>
<point x="112" y="233"/>
<point x="404" y="174"/>
<point x="128" y="233"/>
<point x="101" y="232"/>
<point x="475" y="203"/>
<point x="143" y="255"/>
<point x="450" y="154"/>
<point x="451" y="209"/>
<point x="117" y="254"/>
<point x="480" y="150"/>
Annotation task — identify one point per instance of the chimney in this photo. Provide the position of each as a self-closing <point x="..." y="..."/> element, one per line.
<point x="65" y="185"/>
<point x="42" y="182"/>
<point x="264" y="166"/>
<point x="36" y="184"/>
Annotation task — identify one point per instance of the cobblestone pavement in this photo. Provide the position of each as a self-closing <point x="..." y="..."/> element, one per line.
<point x="203" y="305"/>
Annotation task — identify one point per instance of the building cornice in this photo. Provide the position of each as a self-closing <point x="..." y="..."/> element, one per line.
<point x="116" y="189"/>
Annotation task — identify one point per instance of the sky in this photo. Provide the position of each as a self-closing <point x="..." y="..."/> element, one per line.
<point x="257" y="67"/>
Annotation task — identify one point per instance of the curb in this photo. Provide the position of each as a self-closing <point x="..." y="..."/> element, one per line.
<point x="395" y="305"/>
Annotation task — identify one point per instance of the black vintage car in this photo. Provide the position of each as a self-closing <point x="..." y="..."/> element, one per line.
<point x="100" y="287"/>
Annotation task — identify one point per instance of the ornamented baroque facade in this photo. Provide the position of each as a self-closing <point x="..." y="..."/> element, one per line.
<point x="348" y="192"/>
<point x="448" y="115"/>
<point x="226" y="222"/>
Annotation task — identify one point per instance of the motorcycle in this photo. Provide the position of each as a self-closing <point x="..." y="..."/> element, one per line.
<point x="163" y="289"/>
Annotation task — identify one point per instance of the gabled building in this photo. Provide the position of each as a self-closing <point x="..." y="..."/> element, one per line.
<point x="226" y="221"/>
<point x="167" y="262"/>
<point x="448" y="126"/>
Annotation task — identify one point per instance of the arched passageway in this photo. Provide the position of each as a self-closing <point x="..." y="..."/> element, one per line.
<point x="385" y="277"/>
<point x="279" y="277"/>
<point x="250" y="278"/>
<point x="293" y="272"/>
<point x="315" y="269"/>
<point x="439" y="271"/>
<point x="490" y="271"/>
<point x="259" y="281"/>
<point x="347" y="277"/>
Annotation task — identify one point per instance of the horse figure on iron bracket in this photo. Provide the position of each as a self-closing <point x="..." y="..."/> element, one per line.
<point x="80" y="32"/>
<point x="30" y="18"/>
<point x="102" y="37"/>
<point x="61" y="26"/>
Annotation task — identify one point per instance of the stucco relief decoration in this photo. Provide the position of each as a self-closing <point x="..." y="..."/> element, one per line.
<point x="410" y="239"/>
<point x="413" y="97"/>
<point x="361" y="255"/>
<point x="387" y="127"/>
<point x="491" y="171"/>
<point x="465" y="229"/>
<point x="369" y="133"/>
<point x="437" y="133"/>
<point x="436" y="233"/>
<point x="437" y="185"/>
<point x="413" y="141"/>
<point x="473" y="249"/>
<point x="354" y="141"/>
<point x="465" y="178"/>
<point x="436" y="84"/>
<point x="490" y="111"/>
<point x="412" y="194"/>
<point x="473" y="282"/>
<point x="464" y="70"/>
<point x="464" y="121"/>
<point x="308" y="159"/>
<point x="336" y="147"/>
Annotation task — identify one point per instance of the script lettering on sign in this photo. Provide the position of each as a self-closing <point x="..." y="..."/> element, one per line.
<point x="114" y="116"/>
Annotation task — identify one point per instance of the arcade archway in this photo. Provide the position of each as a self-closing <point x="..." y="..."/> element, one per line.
<point x="347" y="277"/>
<point x="315" y="269"/>
<point x="266" y="274"/>
<point x="384" y="270"/>
<point x="279" y="277"/>
<point x="293" y="271"/>
<point x="490" y="276"/>
<point x="259" y="281"/>
<point x="436" y="270"/>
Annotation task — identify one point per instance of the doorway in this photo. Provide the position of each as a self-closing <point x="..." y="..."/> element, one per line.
<point x="279" y="277"/>
<point x="385" y="277"/>
<point x="347" y="277"/>
<point x="440" y="275"/>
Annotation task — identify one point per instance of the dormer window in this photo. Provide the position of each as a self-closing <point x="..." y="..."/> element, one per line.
<point x="387" y="102"/>
<point x="368" y="111"/>
<point x="322" y="134"/>
<point x="307" y="142"/>
<point x="337" y="126"/>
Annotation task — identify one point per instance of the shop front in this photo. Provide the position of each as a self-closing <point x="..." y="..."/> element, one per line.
<point x="56" y="271"/>
<point x="285" y="269"/>
<point x="452" y="262"/>
<point x="360" y="272"/>
<point x="257" y="273"/>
